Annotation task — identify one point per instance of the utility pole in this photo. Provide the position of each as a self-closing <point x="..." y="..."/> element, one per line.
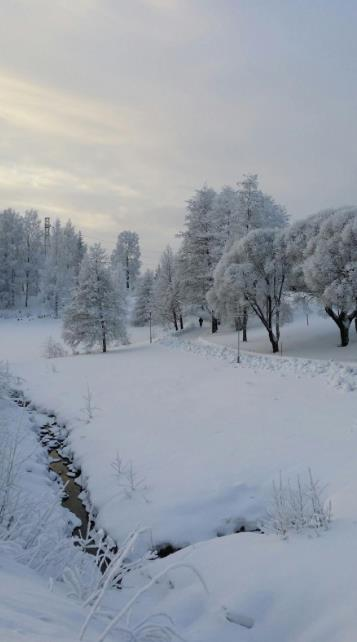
<point x="47" y="233"/>
<point x="150" y="326"/>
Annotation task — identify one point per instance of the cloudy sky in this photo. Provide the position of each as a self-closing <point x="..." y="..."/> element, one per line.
<point x="113" y="111"/>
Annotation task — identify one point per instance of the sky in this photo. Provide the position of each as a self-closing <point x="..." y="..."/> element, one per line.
<point x="112" y="112"/>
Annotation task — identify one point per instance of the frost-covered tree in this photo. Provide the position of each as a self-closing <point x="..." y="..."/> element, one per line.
<point x="144" y="299"/>
<point x="224" y="216"/>
<point x="197" y="256"/>
<point x="250" y="206"/>
<point x="255" y="209"/>
<point x="330" y="268"/>
<point x="166" y="291"/>
<point x="127" y="254"/>
<point x="236" y="214"/>
<point x="300" y="239"/>
<point x="74" y="249"/>
<point x="96" y="314"/>
<point x="32" y="254"/>
<point x="11" y="257"/>
<point x="214" y="221"/>
<point x="61" y="266"/>
<point x="255" y="272"/>
<point x="55" y="286"/>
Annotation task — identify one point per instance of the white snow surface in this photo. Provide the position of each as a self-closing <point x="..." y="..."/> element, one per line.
<point x="204" y="438"/>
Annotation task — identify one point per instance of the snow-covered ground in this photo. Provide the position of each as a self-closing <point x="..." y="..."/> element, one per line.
<point x="199" y="441"/>
<point x="319" y="339"/>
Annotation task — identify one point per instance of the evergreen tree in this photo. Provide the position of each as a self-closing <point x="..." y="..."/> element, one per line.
<point x="11" y="244"/>
<point x="96" y="314"/>
<point x="144" y="299"/>
<point x="32" y="254"/>
<point x="255" y="209"/>
<point x="54" y="283"/>
<point x="166" y="292"/>
<point x="62" y="265"/>
<point x="127" y="255"/>
<point x="197" y="257"/>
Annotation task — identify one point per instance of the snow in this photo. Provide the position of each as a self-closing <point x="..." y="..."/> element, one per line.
<point x="32" y="606"/>
<point x="205" y="438"/>
<point x="318" y="340"/>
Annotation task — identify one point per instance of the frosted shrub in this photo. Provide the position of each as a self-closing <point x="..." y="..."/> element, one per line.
<point x="89" y="407"/>
<point x="127" y="478"/>
<point x="297" y="507"/>
<point x="9" y="470"/>
<point x="53" y="349"/>
<point x="156" y="627"/>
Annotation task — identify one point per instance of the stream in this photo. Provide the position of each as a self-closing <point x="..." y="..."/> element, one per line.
<point x="53" y="438"/>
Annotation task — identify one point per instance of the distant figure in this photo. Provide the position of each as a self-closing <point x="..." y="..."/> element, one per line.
<point x="200" y="321"/>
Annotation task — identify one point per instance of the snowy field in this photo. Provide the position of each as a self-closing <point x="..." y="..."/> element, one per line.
<point x="196" y="442"/>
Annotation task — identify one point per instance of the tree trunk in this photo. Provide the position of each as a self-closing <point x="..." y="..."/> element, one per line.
<point x="26" y="293"/>
<point x="356" y="324"/>
<point x="245" y="324"/>
<point x="175" y="320"/>
<point x="181" y="322"/>
<point x="274" y="342"/>
<point x="104" y="337"/>
<point x="214" y="324"/>
<point x="345" y="334"/>
<point x="127" y="273"/>
<point x="277" y="324"/>
<point x="343" y="322"/>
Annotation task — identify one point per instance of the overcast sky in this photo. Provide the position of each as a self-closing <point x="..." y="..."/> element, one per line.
<point x="112" y="112"/>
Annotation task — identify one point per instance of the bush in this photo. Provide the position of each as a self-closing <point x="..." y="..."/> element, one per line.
<point x="53" y="349"/>
<point x="298" y="507"/>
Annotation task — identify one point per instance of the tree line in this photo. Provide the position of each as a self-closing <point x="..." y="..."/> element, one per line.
<point x="239" y="256"/>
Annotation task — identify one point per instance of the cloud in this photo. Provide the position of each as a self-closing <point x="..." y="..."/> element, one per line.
<point x="113" y="111"/>
<point x="25" y="105"/>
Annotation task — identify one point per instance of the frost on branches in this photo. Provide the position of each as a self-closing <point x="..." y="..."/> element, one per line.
<point x="254" y="273"/>
<point x="127" y="255"/>
<point x="330" y="269"/>
<point x="167" y="302"/>
<point x="144" y="299"/>
<point x="61" y="266"/>
<point x="96" y="315"/>
<point x="214" y="222"/>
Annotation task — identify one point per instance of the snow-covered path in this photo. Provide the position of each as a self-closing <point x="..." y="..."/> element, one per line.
<point x="318" y="340"/>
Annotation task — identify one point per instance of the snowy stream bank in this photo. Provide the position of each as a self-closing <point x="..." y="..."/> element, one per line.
<point x="75" y="497"/>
